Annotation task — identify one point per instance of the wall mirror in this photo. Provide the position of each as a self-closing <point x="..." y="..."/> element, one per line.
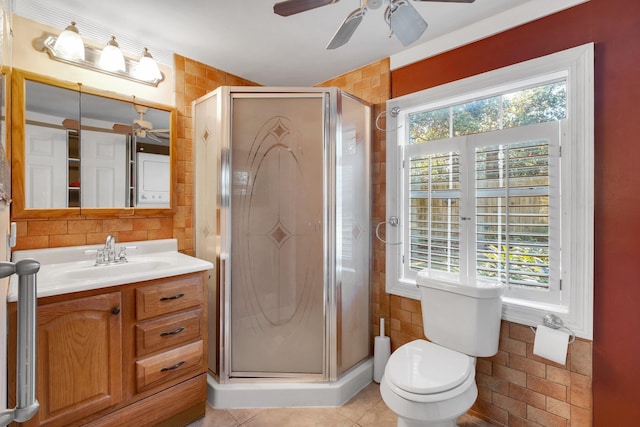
<point x="77" y="151"/>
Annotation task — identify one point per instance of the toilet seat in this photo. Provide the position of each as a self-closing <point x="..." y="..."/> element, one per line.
<point x="424" y="371"/>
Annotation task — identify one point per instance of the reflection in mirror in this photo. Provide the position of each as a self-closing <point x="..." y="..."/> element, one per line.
<point x="51" y="148"/>
<point x="89" y="151"/>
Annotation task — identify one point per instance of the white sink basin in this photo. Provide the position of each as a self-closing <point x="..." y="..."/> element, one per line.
<point x="101" y="271"/>
<point x="62" y="273"/>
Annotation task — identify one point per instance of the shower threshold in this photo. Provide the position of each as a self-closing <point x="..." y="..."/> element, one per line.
<point x="289" y="394"/>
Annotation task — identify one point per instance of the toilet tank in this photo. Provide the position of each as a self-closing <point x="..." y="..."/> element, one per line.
<point x="461" y="317"/>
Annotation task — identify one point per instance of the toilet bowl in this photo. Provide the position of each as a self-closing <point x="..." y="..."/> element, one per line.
<point x="432" y="383"/>
<point x="428" y="385"/>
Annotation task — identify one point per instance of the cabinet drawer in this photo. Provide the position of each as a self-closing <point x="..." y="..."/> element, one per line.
<point x="169" y="331"/>
<point x="169" y="295"/>
<point x="169" y="365"/>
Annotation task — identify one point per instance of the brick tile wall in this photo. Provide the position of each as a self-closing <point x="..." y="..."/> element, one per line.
<point x="517" y="388"/>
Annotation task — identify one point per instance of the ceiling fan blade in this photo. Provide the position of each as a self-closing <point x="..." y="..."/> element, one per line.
<point x="157" y="134"/>
<point x="346" y="30"/>
<point x="153" y="137"/>
<point x="291" y="7"/>
<point x="449" y="1"/>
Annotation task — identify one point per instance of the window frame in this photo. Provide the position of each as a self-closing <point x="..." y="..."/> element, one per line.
<point x="577" y="183"/>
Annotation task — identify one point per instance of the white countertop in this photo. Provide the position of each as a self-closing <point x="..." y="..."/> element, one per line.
<point x="69" y="269"/>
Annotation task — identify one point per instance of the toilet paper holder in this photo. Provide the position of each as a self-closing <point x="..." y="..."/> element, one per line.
<point x="552" y="321"/>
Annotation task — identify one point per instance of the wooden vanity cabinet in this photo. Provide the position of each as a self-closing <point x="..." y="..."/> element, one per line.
<point x="127" y="354"/>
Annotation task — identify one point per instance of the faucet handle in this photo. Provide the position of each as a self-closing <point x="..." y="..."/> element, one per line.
<point x="122" y="255"/>
<point x="99" y="253"/>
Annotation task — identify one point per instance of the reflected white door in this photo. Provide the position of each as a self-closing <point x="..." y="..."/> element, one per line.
<point x="103" y="169"/>
<point x="45" y="167"/>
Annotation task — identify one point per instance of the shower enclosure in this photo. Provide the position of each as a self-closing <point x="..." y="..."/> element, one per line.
<point x="282" y="209"/>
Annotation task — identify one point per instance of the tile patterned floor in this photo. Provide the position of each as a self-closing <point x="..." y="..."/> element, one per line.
<point x="366" y="409"/>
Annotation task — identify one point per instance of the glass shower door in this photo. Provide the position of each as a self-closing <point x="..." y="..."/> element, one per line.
<point x="277" y="325"/>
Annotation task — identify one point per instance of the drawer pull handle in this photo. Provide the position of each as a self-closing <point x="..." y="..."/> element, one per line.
<point x="171" y="368"/>
<point x="115" y="310"/>
<point x="173" y="297"/>
<point x="174" y="332"/>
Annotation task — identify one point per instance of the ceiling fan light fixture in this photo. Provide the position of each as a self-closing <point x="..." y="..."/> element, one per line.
<point x="147" y="68"/>
<point x="405" y="21"/>
<point x="346" y="30"/>
<point x="69" y="44"/>
<point x="111" y="58"/>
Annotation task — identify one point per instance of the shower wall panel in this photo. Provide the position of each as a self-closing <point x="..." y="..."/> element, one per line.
<point x="353" y="204"/>
<point x="207" y="144"/>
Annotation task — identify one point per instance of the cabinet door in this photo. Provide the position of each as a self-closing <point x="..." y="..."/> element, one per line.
<point x="79" y="358"/>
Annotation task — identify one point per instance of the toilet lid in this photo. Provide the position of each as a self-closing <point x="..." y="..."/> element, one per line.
<point x="421" y="367"/>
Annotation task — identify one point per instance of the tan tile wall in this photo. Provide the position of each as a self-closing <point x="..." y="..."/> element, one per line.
<point x="517" y="388"/>
<point x="87" y="230"/>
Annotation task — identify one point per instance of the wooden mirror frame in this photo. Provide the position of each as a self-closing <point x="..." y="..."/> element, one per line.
<point x="18" y="123"/>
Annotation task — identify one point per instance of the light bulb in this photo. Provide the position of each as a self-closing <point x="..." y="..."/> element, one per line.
<point x="69" y="44"/>
<point x="147" y="68"/>
<point x="112" y="58"/>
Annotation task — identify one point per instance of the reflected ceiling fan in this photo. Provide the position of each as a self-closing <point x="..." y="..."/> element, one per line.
<point x="144" y="128"/>
<point x="401" y="17"/>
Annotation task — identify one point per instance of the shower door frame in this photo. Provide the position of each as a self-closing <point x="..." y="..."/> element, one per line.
<point x="331" y="338"/>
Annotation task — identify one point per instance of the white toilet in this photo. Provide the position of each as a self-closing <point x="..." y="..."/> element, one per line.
<point x="433" y="383"/>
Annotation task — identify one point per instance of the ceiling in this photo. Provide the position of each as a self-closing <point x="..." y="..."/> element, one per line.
<point x="245" y="37"/>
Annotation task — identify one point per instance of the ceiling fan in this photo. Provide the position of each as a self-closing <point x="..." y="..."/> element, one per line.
<point x="144" y="128"/>
<point x="403" y="20"/>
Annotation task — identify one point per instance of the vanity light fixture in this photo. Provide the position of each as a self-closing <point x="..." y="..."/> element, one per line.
<point x="69" y="44"/>
<point x="109" y="60"/>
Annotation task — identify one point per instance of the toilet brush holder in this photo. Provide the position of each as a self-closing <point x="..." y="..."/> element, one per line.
<point x="381" y="353"/>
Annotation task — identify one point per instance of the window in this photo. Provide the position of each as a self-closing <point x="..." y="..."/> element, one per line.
<point x="491" y="179"/>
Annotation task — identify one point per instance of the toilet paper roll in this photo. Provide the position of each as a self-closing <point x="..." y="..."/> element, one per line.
<point x="381" y="352"/>
<point x="551" y="344"/>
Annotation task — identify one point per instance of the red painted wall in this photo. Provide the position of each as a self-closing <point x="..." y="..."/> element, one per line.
<point x="614" y="27"/>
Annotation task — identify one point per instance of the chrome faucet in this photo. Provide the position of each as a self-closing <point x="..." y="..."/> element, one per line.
<point x="109" y="253"/>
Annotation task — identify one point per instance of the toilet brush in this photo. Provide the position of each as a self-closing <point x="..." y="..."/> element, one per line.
<point x="381" y="352"/>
